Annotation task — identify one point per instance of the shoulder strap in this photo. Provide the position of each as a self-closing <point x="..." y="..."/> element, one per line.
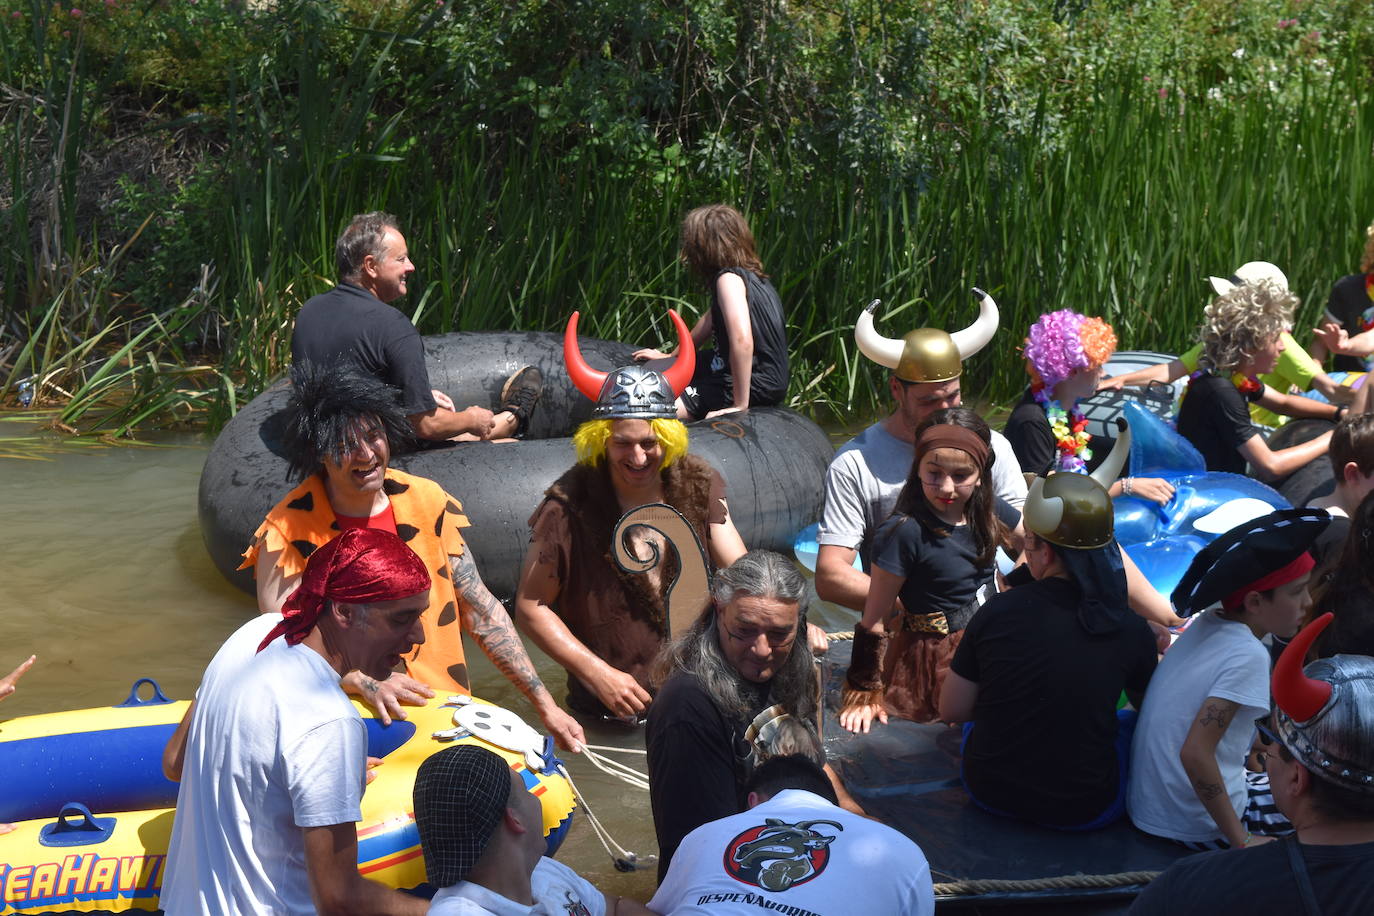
<point x="1306" y="894"/>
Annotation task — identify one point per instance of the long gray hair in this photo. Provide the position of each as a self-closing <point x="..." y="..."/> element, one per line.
<point x="757" y="574"/>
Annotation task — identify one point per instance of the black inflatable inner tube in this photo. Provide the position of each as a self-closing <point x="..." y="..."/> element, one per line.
<point x="773" y="460"/>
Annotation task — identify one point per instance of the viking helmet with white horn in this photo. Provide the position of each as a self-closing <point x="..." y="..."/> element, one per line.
<point x="1075" y="510"/>
<point x="1325" y="712"/>
<point x="632" y="392"/>
<point x="927" y="354"/>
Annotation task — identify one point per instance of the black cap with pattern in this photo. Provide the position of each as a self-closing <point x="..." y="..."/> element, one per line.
<point x="460" y="795"/>
<point x="1245" y="555"/>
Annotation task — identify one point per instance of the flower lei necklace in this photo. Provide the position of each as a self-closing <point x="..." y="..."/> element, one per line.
<point x="1071" y="437"/>
<point x="1245" y="384"/>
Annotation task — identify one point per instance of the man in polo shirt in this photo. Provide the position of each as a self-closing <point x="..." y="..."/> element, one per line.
<point x="355" y="321"/>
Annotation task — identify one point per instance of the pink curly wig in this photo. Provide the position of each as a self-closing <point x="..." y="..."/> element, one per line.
<point x="1062" y="342"/>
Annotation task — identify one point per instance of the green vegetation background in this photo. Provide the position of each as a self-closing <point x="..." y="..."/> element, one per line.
<point x="175" y="171"/>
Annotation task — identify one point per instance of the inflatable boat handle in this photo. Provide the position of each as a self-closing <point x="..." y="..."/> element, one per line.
<point x="88" y="831"/>
<point x="550" y="756"/>
<point x="157" y="699"/>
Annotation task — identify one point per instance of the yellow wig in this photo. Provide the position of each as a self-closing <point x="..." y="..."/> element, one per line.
<point x="591" y="438"/>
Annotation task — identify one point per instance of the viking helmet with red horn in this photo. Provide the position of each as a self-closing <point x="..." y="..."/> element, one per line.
<point x="927" y="354"/>
<point x="1325" y="712"/>
<point x="632" y="392"/>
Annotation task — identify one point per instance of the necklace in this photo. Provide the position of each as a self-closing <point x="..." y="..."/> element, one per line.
<point x="1245" y="384"/>
<point x="1070" y="429"/>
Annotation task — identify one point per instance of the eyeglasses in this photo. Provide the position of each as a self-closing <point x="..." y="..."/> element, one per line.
<point x="750" y="637"/>
<point x="1266" y="734"/>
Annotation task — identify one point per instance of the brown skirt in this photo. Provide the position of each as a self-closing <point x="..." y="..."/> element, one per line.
<point x="914" y="670"/>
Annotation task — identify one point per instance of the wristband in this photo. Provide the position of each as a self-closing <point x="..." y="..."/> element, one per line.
<point x="1340" y="412"/>
<point x="1126" y="486"/>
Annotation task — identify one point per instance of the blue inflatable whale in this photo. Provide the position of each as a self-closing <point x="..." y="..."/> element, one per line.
<point x="1162" y="540"/>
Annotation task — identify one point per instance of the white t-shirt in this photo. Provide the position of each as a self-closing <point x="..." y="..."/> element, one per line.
<point x="796" y="853"/>
<point x="557" y="891"/>
<point x="272" y="749"/>
<point x="236" y="652"/>
<point x="1214" y="657"/>
<point x="869" y="471"/>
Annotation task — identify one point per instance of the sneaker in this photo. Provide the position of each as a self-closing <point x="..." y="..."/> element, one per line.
<point x="519" y="395"/>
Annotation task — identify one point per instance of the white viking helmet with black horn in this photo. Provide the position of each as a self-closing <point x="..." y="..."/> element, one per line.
<point x="1075" y="510"/>
<point x="927" y="354"/>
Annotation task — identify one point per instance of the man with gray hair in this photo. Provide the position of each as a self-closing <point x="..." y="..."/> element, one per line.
<point x="355" y="321"/>
<point x="1319" y="745"/>
<point x="742" y="665"/>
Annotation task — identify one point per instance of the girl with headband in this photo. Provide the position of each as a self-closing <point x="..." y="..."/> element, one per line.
<point x="1065" y="352"/>
<point x="931" y="561"/>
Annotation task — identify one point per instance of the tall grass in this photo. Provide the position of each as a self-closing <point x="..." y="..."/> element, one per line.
<point x="1119" y="204"/>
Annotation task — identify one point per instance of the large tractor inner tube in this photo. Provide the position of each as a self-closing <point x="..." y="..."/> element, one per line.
<point x="1102" y="409"/>
<point x="773" y="460"/>
<point x="1316" y="478"/>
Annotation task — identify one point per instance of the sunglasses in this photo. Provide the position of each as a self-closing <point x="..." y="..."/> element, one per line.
<point x="1266" y="734"/>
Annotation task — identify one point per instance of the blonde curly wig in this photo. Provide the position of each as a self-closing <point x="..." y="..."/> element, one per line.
<point x="1239" y="324"/>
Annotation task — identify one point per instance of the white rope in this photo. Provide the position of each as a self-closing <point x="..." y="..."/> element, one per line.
<point x="624" y="859"/>
<point x="611" y="749"/>
<point x="616" y="770"/>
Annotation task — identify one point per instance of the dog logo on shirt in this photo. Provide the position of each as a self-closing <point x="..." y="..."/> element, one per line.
<point x="574" y="906"/>
<point x="777" y="855"/>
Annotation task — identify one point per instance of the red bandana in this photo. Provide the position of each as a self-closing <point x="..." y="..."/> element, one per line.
<point x="1301" y="566"/>
<point x="360" y="566"/>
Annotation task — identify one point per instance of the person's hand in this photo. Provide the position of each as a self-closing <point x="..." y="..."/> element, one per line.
<point x="442" y="399"/>
<point x="567" y="731"/>
<point x="646" y="354"/>
<point x="1111" y="383"/>
<point x="372" y="764"/>
<point x="1163" y="638"/>
<point x="386" y="697"/>
<point x="711" y="415"/>
<point x="8" y="684"/>
<point x="816" y="640"/>
<point x="6" y="828"/>
<point x="1333" y="336"/>
<point x="478" y="421"/>
<point x="619" y="692"/>
<point x="1155" y="489"/>
<point x="857" y="717"/>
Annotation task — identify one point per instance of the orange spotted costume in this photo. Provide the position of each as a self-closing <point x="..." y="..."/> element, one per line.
<point x="427" y="519"/>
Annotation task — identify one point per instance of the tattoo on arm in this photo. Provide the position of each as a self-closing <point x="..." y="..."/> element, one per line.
<point x="1207" y="790"/>
<point x="487" y="621"/>
<point x="1215" y="714"/>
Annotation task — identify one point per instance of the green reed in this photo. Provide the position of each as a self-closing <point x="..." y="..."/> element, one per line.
<point x="1117" y="202"/>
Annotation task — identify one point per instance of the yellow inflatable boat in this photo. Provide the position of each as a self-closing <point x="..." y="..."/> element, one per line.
<point x="93" y="812"/>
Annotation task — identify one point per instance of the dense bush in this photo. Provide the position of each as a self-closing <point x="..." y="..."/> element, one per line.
<point x="192" y="161"/>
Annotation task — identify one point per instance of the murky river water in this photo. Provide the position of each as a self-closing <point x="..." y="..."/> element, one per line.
<point x="103" y="575"/>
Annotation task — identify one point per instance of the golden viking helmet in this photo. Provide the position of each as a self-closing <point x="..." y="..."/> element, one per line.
<point x="1075" y="510"/>
<point x="927" y="354"/>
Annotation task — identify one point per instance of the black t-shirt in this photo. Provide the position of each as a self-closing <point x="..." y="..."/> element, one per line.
<point x="1042" y="745"/>
<point x="349" y="322"/>
<point x="1351" y="305"/>
<point x="1028" y="430"/>
<point x="768" y="376"/>
<point x="942" y="572"/>
<point x="697" y="759"/>
<point x="1261" y="880"/>
<point x="1215" y="418"/>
